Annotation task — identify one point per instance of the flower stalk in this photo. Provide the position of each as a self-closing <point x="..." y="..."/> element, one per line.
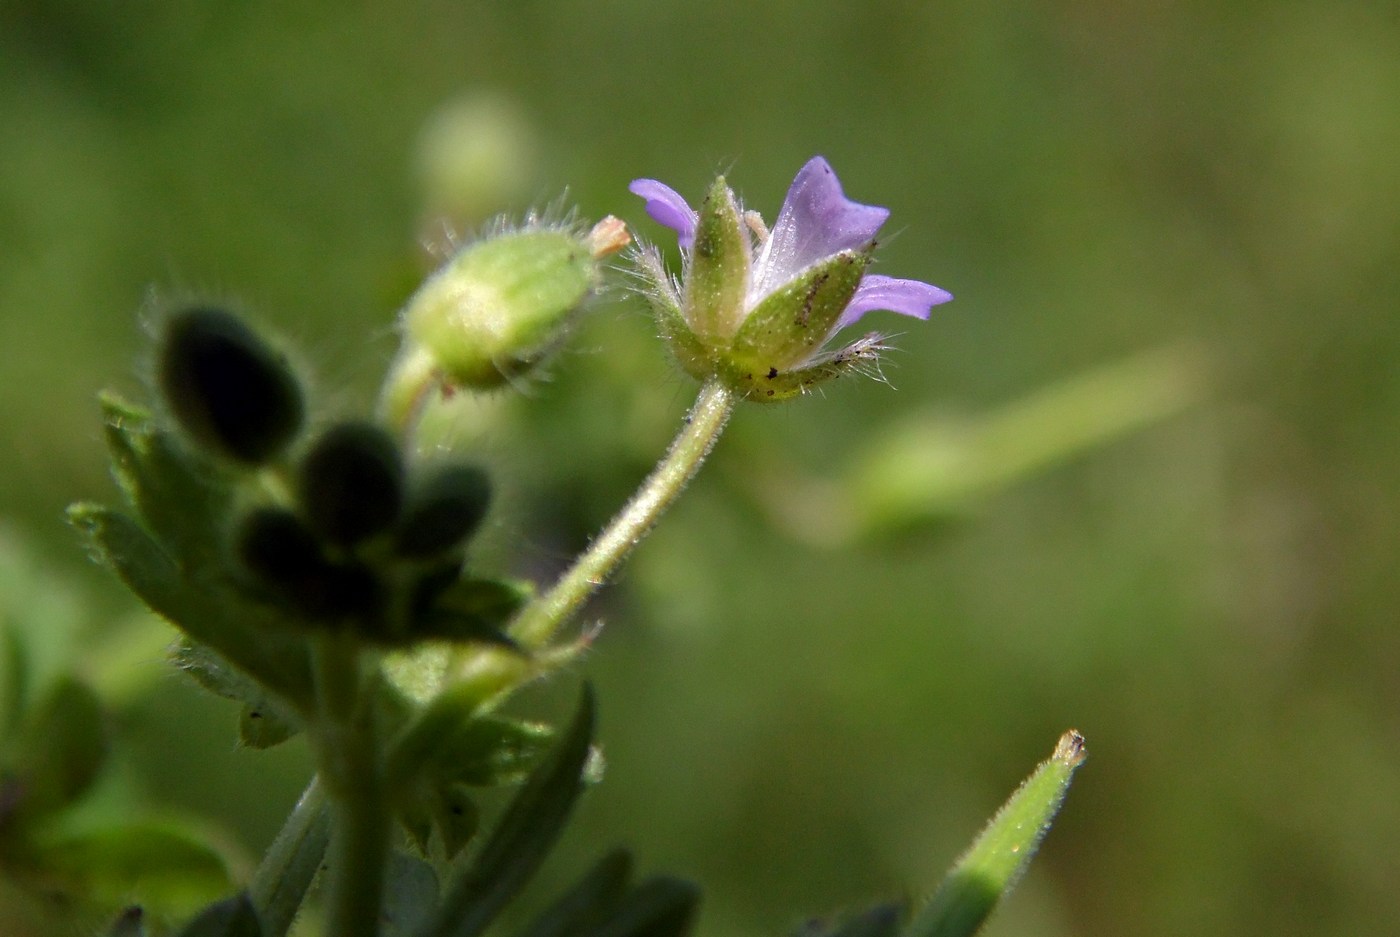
<point x="541" y="619"/>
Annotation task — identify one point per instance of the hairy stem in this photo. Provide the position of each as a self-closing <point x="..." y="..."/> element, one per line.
<point x="539" y="620"/>
<point x="353" y="774"/>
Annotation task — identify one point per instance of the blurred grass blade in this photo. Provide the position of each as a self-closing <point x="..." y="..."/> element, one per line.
<point x="659" y="907"/>
<point x="523" y="837"/>
<point x="1001" y="853"/>
<point x="589" y="902"/>
<point x="233" y="917"/>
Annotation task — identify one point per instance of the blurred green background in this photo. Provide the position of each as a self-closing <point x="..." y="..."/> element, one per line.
<point x="1140" y="478"/>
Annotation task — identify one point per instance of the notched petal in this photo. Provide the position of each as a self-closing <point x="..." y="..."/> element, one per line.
<point x="816" y="221"/>
<point x="906" y="297"/>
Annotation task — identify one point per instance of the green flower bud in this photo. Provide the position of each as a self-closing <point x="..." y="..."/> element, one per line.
<point x="350" y="483"/>
<point x="445" y="510"/>
<point x="228" y="389"/>
<point x="501" y="304"/>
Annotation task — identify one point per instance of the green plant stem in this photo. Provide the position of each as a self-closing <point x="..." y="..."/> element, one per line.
<point x="539" y="620"/>
<point x="280" y="884"/>
<point x="352" y="772"/>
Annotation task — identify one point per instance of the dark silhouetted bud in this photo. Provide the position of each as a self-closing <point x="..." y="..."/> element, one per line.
<point x="277" y="548"/>
<point x="350" y="483"/>
<point x="228" y="389"/>
<point x="444" y="511"/>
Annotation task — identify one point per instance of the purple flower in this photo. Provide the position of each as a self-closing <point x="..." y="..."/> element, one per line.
<point x="757" y="307"/>
<point x="816" y="222"/>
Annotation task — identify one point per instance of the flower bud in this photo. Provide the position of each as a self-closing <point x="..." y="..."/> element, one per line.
<point x="228" y="389"/>
<point x="501" y="304"/>
<point x="446" y="510"/>
<point x="350" y="483"/>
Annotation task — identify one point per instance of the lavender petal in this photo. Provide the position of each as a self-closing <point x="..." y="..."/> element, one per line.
<point x="667" y="207"/>
<point x="816" y="221"/>
<point x="906" y="297"/>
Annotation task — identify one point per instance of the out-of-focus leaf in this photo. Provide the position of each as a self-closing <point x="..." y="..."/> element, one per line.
<point x="523" y="837"/>
<point x="264" y="720"/>
<point x="589" y="903"/>
<point x="659" y="907"/>
<point x="410" y="894"/>
<point x="169" y="867"/>
<point x="232" y="917"/>
<point x="181" y="498"/>
<point x="1001" y="853"/>
<point x="265" y="726"/>
<point x="244" y="634"/>
<point x="456" y="817"/>
<point x="292" y="862"/>
<point x="62" y="746"/>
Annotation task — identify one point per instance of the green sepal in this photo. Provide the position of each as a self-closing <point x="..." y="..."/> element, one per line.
<point x="661" y="906"/>
<point x="264" y="720"/>
<point x="525" y="834"/>
<point x="173" y="869"/>
<point x="588" y="903"/>
<point x="61" y="748"/>
<point x="180" y="497"/>
<point x="773" y="385"/>
<point x="793" y="322"/>
<point x="718" y="272"/>
<point x="232" y="917"/>
<point x="991" y="867"/>
<point x="249" y="637"/>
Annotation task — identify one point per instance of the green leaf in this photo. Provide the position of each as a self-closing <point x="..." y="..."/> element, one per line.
<point x="410" y="894"/>
<point x="233" y="917"/>
<point x="659" y="907"/>
<point x="62" y="747"/>
<point x="182" y="498"/>
<point x="249" y="637"/>
<point x="169" y="867"/>
<point x="719" y="268"/>
<point x="1001" y="853"/>
<point x="265" y="726"/>
<point x="589" y="903"/>
<point x="523" y="837"/>
<point x="264" y="720"/>
<point x="291" y="863"/>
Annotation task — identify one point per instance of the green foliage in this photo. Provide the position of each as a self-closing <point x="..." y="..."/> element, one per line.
<point x="1003" y="850"/>
<point x="522" y="838"/>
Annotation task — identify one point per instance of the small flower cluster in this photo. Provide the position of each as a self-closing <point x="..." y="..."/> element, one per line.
<point x="347" y="534"/>
<point x="756" y="308"/>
